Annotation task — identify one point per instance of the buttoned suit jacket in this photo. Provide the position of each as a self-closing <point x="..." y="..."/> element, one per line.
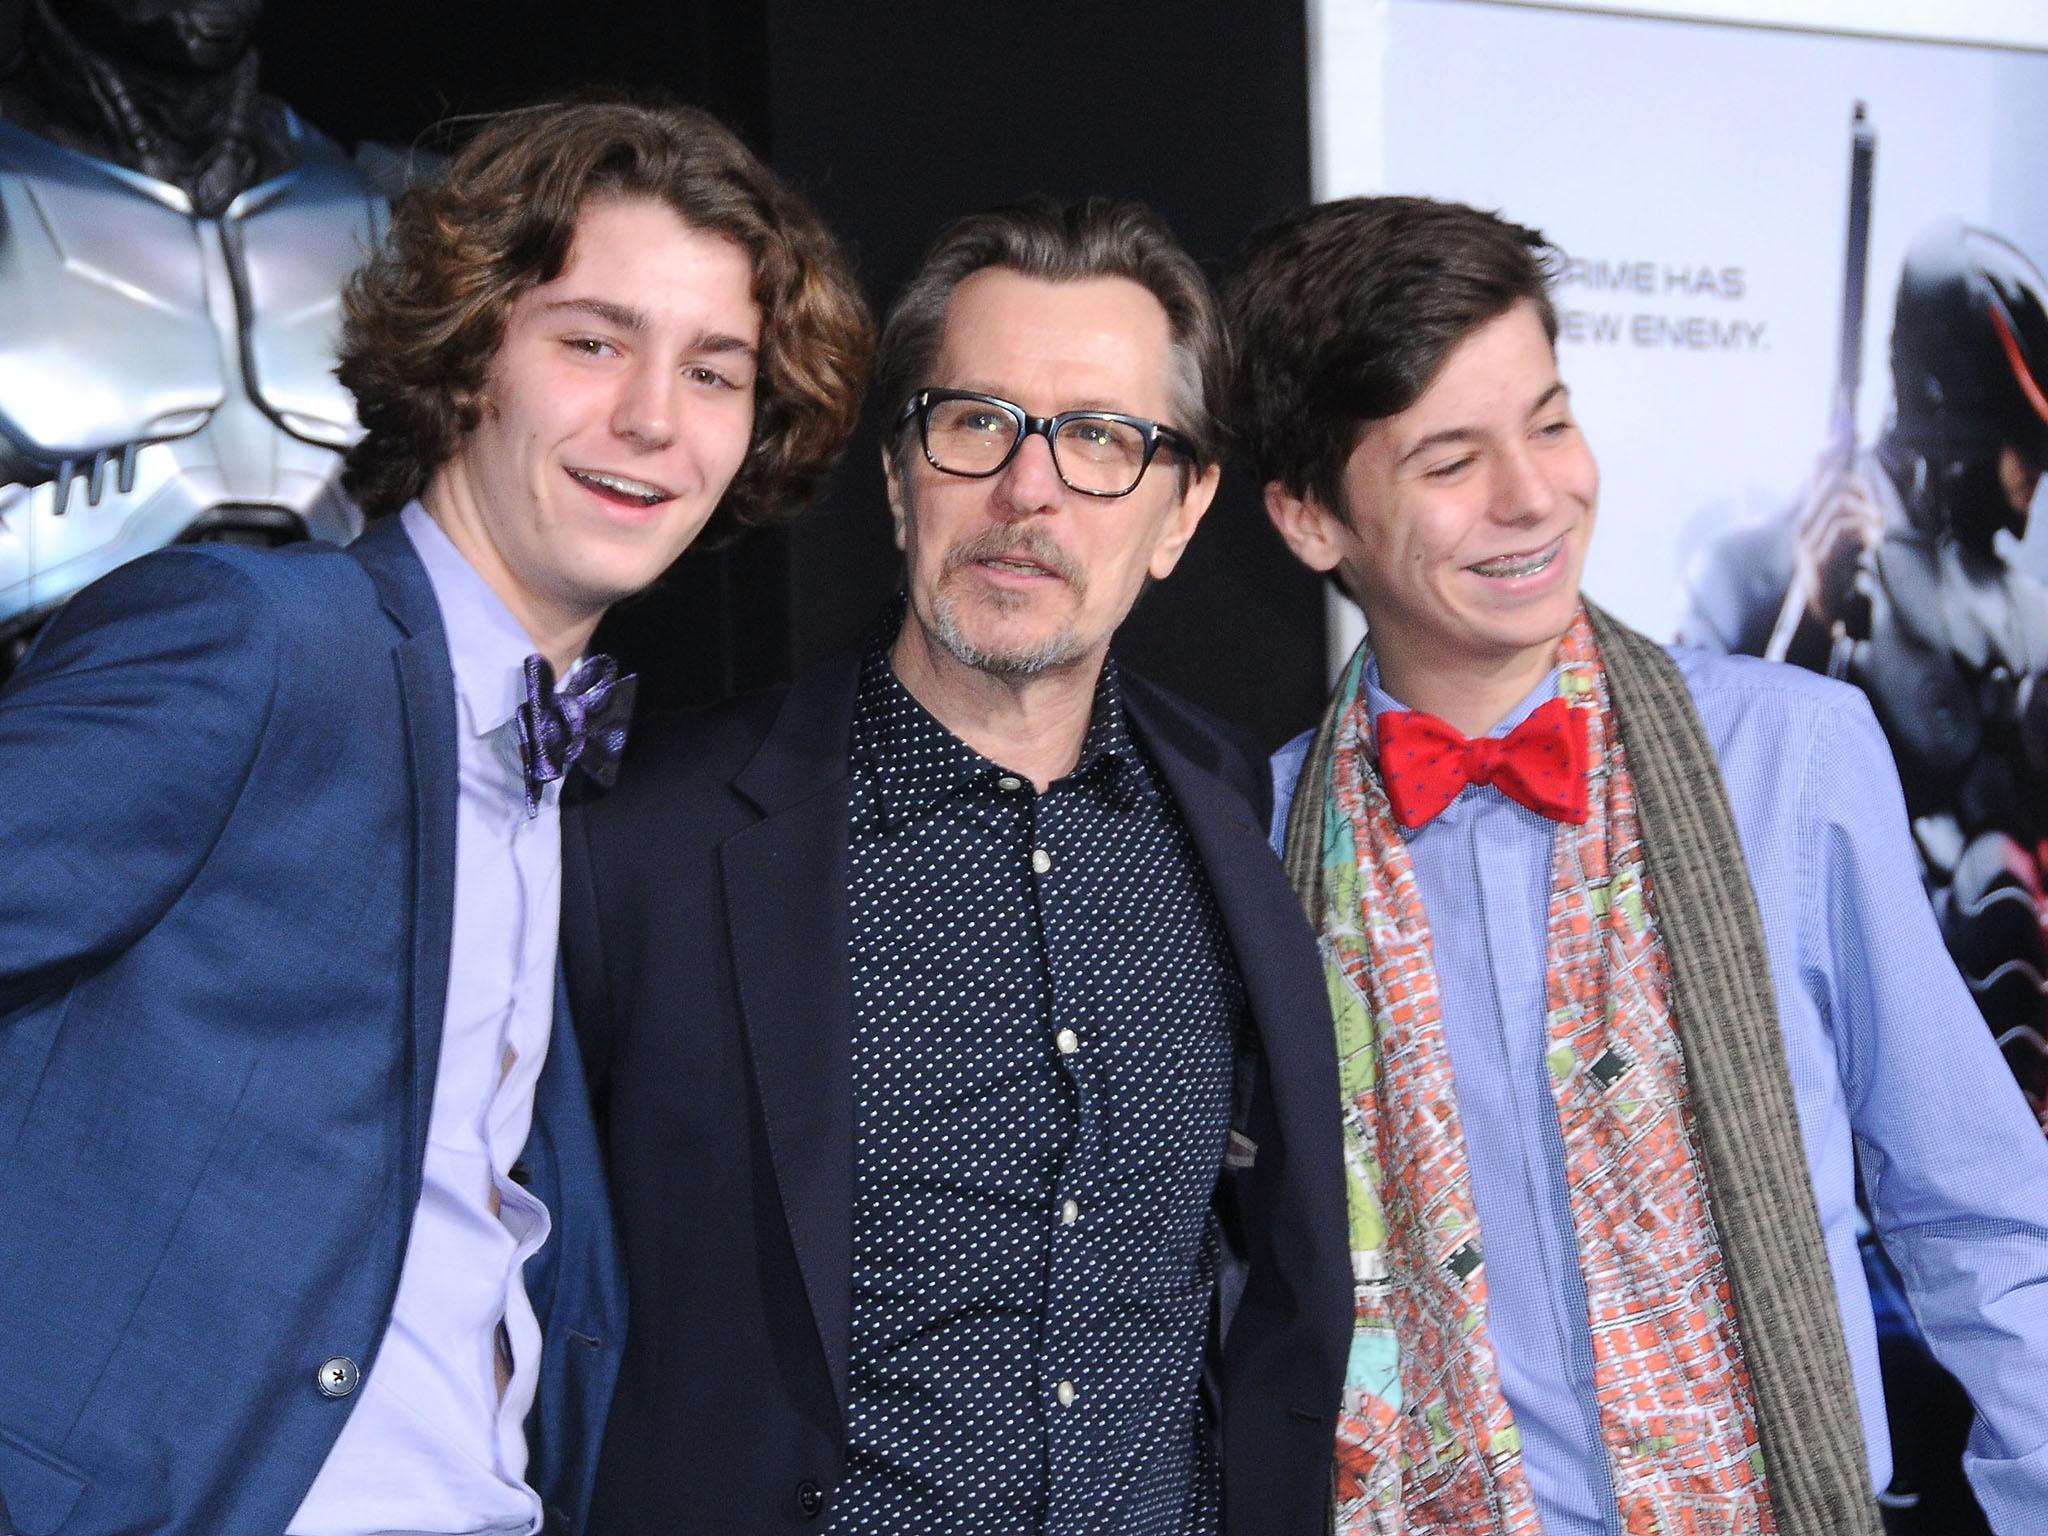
<point x="227" y="865"/>
<point x="706" y="929"/>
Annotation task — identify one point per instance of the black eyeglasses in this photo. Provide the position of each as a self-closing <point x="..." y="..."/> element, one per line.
<point x="1098" y="453"/>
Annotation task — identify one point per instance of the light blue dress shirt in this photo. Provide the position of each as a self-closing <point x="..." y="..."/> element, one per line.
<point x="1892" y="1069"/>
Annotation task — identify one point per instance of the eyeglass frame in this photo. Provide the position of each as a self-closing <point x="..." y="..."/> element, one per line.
<point x="918" y="406"/>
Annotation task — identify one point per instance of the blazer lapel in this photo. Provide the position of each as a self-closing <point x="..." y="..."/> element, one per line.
<point x="426" y="691"/>
<point x="786" y="907"/>
<point x="1259" y="908"/>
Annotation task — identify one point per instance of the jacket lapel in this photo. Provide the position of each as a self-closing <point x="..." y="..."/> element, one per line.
<point x="786" y="906"/>
<point x="426" y="690"/>
<point x="1260" y="912"/>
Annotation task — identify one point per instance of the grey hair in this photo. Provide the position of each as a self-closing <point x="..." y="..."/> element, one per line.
<point x="1101" y="237"/>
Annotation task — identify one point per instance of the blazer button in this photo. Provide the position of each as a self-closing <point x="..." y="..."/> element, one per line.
<point x="338" y="1376"/>
<point x="519" y="1173"/>
<point x="810" y="1498"/>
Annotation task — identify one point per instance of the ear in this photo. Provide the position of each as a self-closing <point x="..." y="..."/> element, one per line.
<point x="892" y="477"/>
<point x="1306" y="526"/>
<point x="1182" y="519"/>
<point x="2017" y="478"/>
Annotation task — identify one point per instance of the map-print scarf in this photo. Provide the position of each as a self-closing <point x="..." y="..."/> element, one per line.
<point x="1722" y="1382"/>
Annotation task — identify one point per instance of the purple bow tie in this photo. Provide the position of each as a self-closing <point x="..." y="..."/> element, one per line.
<point x="582" y="723"/>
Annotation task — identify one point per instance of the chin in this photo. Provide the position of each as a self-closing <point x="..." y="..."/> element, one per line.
<point x="1001" y="650"/>
<point x="1535" y="637"/>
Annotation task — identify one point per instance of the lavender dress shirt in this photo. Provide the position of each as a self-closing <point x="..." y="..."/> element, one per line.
<point x="433" y="1448"/>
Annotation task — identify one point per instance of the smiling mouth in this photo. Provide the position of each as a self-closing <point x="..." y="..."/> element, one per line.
<point x="1519" y="565"/>
<point x="641" y="493"/>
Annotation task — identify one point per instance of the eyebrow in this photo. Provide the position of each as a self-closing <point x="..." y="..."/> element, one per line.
<point x="627" y="318"/>
<point x="722" y="341"/>
<point x="1091" y="404"/>
<point x="1451" y="435"/>
<point x="624" y="316"/>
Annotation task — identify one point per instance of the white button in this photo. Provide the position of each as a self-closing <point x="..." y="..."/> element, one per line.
<point x="1070" y="1212"/>
<point x="1041" y="860"/>
<point x="1065" y="1393"/>
<point x="1067" y="1041"/>
<point x="1010" y="782"/>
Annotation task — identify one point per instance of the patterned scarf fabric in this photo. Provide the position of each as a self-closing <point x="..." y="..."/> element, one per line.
<point x="1427" y="1442"/>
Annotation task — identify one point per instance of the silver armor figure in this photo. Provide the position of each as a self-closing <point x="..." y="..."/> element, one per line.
<point x="166" y="376"/>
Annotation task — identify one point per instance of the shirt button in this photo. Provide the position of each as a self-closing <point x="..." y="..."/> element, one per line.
<point x="1010" y="783"/>
<point x="1070" y="1212"/>
<point x="338" y="1377"/>
<point x="1065" y="1393"/>
<point x="1041" y="861"/>
<point x="1067" y="1041"/>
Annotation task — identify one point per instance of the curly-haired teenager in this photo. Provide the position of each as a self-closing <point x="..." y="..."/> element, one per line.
<point x="305" y="1229"/>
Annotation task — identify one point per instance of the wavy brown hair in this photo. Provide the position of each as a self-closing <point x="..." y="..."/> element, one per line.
<point x="423" y="319"/>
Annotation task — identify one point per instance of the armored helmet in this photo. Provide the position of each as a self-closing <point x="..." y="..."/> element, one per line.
<point x="182" y="36"/>
<point x="1970" y="347"/>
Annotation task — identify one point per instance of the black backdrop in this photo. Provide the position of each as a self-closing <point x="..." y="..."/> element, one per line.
<point x="894" y="119"/>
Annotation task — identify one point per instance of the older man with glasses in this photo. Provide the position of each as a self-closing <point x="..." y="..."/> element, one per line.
<point x="995" y="1039"/>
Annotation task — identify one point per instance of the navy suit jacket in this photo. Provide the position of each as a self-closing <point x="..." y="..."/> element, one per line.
<point x="227" y="855"/>
<point x="705" y="931"/>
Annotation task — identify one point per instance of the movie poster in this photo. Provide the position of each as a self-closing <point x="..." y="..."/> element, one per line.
<point x="1697" y="175"/>
<point x="1801" y="315"/>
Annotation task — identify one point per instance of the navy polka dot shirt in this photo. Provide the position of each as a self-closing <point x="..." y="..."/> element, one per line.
<point x="1046" y="1018"/>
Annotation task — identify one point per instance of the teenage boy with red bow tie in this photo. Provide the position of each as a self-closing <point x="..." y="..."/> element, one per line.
<point x="1631" y="976"/>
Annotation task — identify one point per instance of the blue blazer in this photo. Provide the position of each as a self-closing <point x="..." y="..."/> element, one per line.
<point x="705" y="930"/>
<point x="227" y="862"/>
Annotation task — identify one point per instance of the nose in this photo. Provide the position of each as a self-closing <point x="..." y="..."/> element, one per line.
<point x="1030" y="483"/>
<point x="648" y="405"/>
<point x="1525" y="493"/>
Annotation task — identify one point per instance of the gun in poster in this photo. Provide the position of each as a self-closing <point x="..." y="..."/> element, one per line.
<point x="1838" y="524"/>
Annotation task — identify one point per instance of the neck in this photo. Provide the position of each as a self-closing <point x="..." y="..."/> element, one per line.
<point x="195" y="131"/>
<point x="559" y="631"/>
<point x="1031" y="725"/>
<point x="1473" y="694"/>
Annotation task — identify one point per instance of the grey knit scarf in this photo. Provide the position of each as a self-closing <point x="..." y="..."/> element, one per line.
<point x="1726" y="1014"/>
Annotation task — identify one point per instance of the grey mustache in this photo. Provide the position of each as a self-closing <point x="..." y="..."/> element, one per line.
<point x="998" y="542"/>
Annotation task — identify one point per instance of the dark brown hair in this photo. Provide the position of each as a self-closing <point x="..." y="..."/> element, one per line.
<point x="1101" y="237"/>
<point x="423" y="319"/>
<point x="1342" y="313"/>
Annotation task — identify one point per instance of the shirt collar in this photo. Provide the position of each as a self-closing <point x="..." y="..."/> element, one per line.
<point x="915" y="761"/>
<point x="1378" y="701"/>
<point x="487" y="646"/>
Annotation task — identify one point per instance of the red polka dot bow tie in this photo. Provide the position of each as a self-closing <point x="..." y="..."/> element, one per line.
<point x="1541" y="763"/>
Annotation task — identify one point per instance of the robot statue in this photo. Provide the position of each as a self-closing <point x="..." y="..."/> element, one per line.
<point x="172" y="247"/>
<point x="1902" y="555"/>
